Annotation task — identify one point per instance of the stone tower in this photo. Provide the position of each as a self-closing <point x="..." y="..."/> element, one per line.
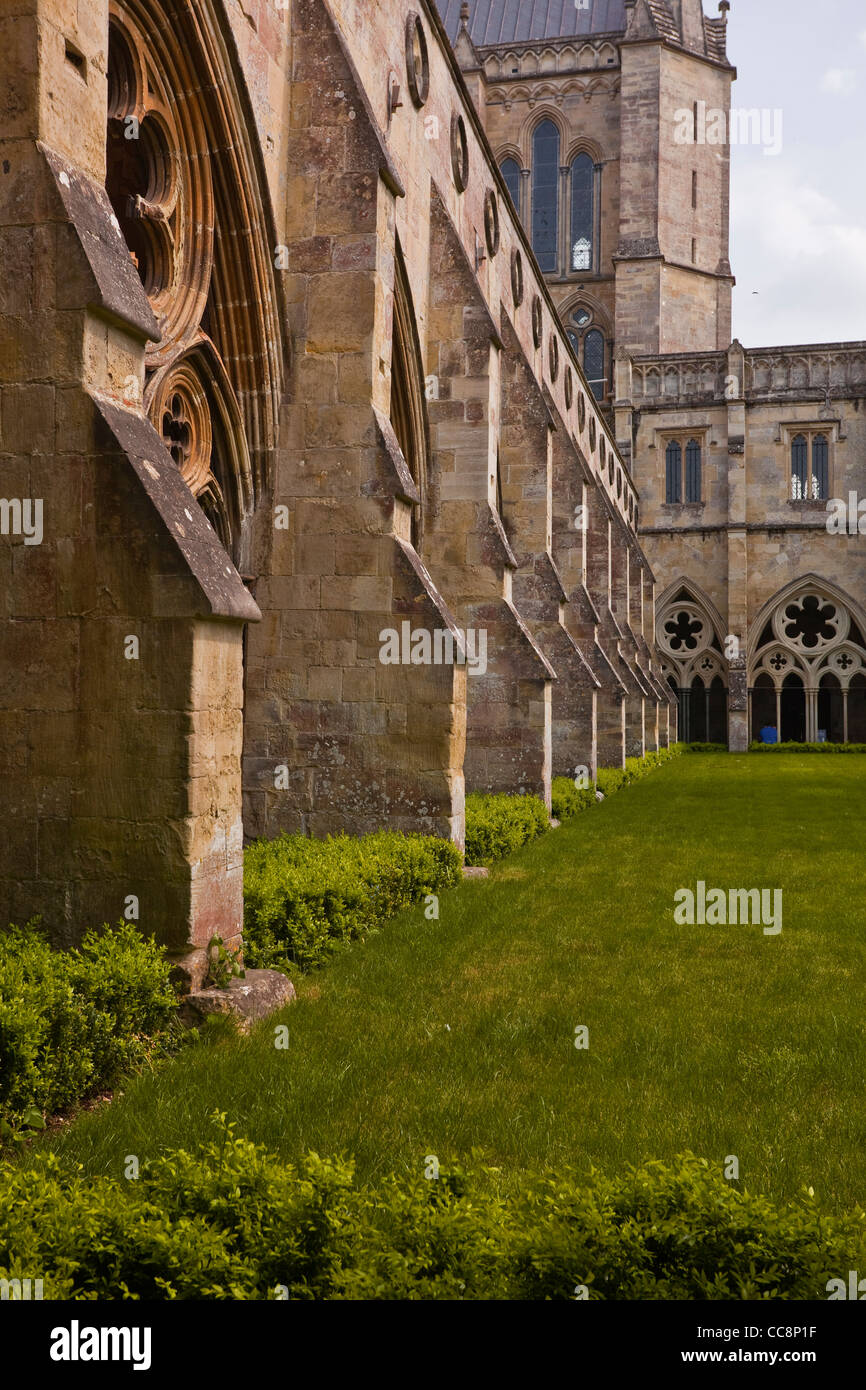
<point x="673" y="275"/>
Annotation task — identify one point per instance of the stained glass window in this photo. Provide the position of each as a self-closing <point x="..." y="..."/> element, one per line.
<point x="582" y="175"/>
<point x="799" y="466"/>
<point x="820" y="470"/>
<point x="693" y="471"/>
<point x="593" y="361"/>
<point x="673" y="472"/>
<point x="511" y="173"/>
<point x="545" y="193"/>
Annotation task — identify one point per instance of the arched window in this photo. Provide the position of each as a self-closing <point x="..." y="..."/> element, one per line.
<point x="408" y="409"/>
<point x="511" y="173"/>
<point x="799" y="467"/>
<point x="582" y="212"/>
<point x="673" y="472"/>
<point x="593" y="362"/>
<point x="693" y="471"/>
<point x="545" y="194"/>
<point x="820" y="479"/>
<point x="792" y="710"/>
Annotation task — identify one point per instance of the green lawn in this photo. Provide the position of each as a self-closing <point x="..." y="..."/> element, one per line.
<point x="444" y="1037"/>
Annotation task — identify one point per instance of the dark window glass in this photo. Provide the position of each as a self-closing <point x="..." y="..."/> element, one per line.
<point x="673" y="472"/>
<point x="799" y="465"/>
<point x="820" y="479"/>
<point x="593" y="361"/>
<point x="511" y="173"/>
<point x="693" y="471"/>
<point x="545" y="193"/>
<point x="574" y="339"/>
<point x="582" y="175"/>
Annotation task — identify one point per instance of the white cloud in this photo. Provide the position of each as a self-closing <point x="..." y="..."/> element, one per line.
<point x="803" y="253"/>
<point x="841" y="81"/>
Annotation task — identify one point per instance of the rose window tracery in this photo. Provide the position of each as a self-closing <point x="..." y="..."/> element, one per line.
<point x="181" y="179"/>
<point x="683" y="631"/>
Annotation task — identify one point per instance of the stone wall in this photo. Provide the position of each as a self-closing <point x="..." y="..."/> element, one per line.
<point x="356" y="366"/>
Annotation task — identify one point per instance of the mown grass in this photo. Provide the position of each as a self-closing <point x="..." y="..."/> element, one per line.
<point x="440" y="1037"/>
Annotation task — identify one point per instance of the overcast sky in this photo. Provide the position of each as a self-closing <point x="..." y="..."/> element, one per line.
<point x="798" y="233"/>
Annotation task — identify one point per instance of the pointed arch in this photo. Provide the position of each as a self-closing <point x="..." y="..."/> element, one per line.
<point x="794" y="589"/>
<point x="191" y="197"/>
<point x="408" y="400"/>
<point x="810" y="635"/>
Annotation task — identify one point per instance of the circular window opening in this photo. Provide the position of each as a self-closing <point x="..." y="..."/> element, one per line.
<point x="581" y="410"/>
<point x="553" y="357"/>
<point x="122" y="84"/>
<point x="581" y="317"/>
<point x="568" y="383"/>
<point x="536" y="321"/>
<point x="459" y="153"/>
<point x="517" y="277"/>
<point x="417" y="61"/>
<point x="618" y="483"/>
<point x="491" y="222"/>
<point x="592" y="434"/>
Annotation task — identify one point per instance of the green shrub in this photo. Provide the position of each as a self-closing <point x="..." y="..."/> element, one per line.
<point x="498" y="825"/>
<point x="232" y="1222"/>
<point x="304" y="899"/>
<point x="567" y="799"/>
<point x="73" y="1021"/>
<point x="704" y="747"/>
<point x="807" y="747"/>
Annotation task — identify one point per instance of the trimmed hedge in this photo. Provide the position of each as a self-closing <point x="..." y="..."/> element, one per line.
<point x="702" y="747"/>
<point x="305" y="899"/>
<point x="71" y="1022"/>
<point x="807" y="747"/>
<point x="567" y="799"/>
<point x="498" y="825"/>
<point x="231" y="1221"/>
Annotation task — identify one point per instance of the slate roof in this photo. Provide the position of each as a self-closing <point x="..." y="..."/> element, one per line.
<point x="495" y="22"/>
<point x="510" y="21"/>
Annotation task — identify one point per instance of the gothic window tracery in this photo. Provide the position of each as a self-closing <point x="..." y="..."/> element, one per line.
<point x="182" y="184"/>
<point x="695" y="667"/>
<point x="807" y="678"/>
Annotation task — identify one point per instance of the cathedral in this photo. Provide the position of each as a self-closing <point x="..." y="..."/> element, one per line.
<point x="612" y="123"/>
<point x="371" y="432"/>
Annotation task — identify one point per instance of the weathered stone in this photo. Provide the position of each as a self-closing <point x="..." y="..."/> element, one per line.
<point x="248" y="1000"/>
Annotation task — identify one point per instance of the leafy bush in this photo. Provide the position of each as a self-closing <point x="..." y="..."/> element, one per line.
<point x="704" y="747"/>
<point x="497" y="825"/>
<point x="232" y="1222"/>
<point x="73" y="1021"/>
<point x="568" y="800"/>
<point x="807" y="747"/>
<point x="304" y="899"/>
